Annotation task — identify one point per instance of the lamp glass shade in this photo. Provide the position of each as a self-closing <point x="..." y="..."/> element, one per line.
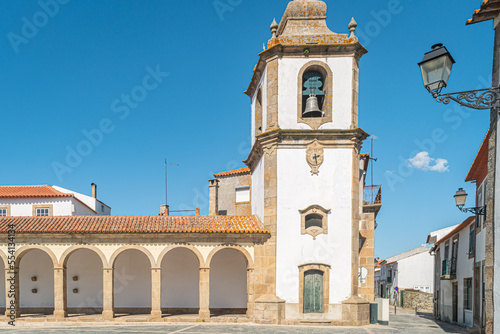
<point x="460" y="197"/>
<point x="436" y="68"/>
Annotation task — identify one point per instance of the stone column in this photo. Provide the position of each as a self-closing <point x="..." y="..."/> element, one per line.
<point x="250" y="292"/>
<point x="204" y="312"/>
<point x="156" y="293"/>
<point x="12" y="310"/>
<point x="60" y="293"/>
<point x="108" y="298"/>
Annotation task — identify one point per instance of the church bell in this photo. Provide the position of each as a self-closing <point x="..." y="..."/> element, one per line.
<point x="312" y="107"/>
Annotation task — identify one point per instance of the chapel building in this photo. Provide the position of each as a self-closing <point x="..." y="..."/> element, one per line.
<point x="289" y="238"/>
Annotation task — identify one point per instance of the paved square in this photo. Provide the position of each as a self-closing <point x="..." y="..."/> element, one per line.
<point x="411" y="324"/>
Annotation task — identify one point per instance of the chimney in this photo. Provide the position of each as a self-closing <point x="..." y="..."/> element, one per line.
<point x="197" y="211"/>
<point x="213" y="205"/>
<point x="164" y="210"/>
<point x="94" y="190"/>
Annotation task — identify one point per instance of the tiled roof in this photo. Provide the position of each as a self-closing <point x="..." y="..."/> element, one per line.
<point x="457" y="229"/>
<point x="488" y="11"/>
<point x="133" y="224"/>
<point x="480" y="164"/>
<point x="30" y="192"/>
<point x="239" y="171"/>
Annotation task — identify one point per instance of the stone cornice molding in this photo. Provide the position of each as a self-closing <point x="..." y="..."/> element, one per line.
<point x="268" y="142"/>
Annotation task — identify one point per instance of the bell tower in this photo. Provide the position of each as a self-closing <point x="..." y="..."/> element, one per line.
<point x="305" y="164"/>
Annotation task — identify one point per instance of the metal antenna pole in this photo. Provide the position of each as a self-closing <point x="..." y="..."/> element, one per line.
<point x="166" y="184"/>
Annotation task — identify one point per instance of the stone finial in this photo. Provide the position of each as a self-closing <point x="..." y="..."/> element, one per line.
<point x="352" y="27"/>
<point x="274" y="28"/>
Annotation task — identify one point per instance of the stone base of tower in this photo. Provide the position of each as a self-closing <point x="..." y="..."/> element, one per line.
<point x="269" y="309"/>
<point x="356" y="312"/>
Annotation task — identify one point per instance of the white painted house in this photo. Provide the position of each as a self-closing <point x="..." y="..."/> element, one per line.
<point x="412" y="269"/>
<point x="44" y="200"/>
<point x="459" y="294"/>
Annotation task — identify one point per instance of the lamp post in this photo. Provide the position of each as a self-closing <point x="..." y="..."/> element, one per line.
<point x="436" y="69"/>
<point x="461" y="197"/>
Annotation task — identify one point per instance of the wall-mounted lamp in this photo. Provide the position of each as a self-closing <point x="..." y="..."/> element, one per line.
<point x="34" y="278"/>
<point x="34" y="290"/>
<point x="461" y="197"/>
<point x="75" y="278"/>
<point x="75" y="290"/>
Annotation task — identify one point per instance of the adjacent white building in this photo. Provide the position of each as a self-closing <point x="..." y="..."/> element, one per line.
<point x="45" y="200"/>
<point x="412" y="269"/>
<point x="459" y="294"/>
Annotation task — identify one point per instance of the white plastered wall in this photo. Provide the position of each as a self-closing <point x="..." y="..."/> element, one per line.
<point x="228" y="280"/>
<point x="257" y="192"/>
<point x="132" y="280"/>
<point x="36" y="263"/>
<point x="86" y="265"/>
<point x="416" y="270"/>
<point x="342" y="69"/>
<point x="297" y="190"/>
<point x="180" y="279"/>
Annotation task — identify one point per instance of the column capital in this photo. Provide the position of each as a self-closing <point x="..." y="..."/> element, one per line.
<point x="59" y="268"/>
<point x="154" y="269"/>
<point x="108" y="269"/>
<point x="204" y="268"/>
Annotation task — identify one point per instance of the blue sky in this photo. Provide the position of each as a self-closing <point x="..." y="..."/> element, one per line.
<point x="72" y="74"/>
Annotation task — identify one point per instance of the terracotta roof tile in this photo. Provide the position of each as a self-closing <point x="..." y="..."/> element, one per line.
<point x="488" y="11"/>
<point x="480" y="164"/>
<point x="30" y="191"/>
<point x="133" y="224"/>
<point x="457" y="229"/>
<point x="239" y="171"/>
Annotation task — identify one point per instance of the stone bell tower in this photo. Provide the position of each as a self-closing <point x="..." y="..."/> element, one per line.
<point x="305" y="168"/>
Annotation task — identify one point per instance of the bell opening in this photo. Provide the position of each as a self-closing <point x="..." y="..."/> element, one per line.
<point x="312" y="107"/>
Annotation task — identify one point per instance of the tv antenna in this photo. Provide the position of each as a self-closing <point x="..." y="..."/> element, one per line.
<point x="166" y="184"/>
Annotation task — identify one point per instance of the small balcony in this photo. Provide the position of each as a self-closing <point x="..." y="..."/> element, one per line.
<point x="449" y="269"/>
<point x="372" y="199"/>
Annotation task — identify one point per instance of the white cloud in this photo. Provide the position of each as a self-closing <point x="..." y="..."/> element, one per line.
<point x="424" y="162"/>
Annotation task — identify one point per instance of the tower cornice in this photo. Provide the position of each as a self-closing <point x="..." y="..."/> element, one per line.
<point x="269" y="142"/>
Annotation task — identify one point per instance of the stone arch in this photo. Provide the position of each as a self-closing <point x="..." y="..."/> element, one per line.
<point x="68" y="252"/>
<point x="4" y="259"/>
<point x="323" y="68"/>
<point x="238" y="248"/>
<point x="25" y="249"/>
<point x="125" y="248"/>
<point x="196" y="252"/>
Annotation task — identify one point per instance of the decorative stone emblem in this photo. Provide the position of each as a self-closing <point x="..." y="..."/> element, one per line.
<point x="315" y="156"/>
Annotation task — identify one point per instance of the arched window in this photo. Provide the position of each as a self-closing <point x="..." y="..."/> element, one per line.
<point x="314" y="220"/>
<point x="258" y="113"/>
<point x="315" y="94"/>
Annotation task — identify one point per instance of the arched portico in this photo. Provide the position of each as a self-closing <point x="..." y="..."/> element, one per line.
<point x="231" y="280"/>
<point x="180" y="284"/>
<point x="37" y="281"/>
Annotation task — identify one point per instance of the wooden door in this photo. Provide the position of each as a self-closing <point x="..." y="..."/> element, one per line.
<point x="455" y="301"/>
<point x="313" y="291"/>
<point x="477" y="295"/>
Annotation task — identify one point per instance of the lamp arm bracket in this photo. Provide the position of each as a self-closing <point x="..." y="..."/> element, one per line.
<point x="478" y="211"/>
<point x="476" y="99"/>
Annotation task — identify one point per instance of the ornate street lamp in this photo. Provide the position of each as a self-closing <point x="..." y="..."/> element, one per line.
<point x="460" y="198"/>
<point x="436" y="69"/>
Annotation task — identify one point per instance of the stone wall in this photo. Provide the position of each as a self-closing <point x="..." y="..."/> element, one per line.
<point x="421" y="300"/>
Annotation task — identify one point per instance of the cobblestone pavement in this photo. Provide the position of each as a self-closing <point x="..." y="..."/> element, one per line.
<point x="411" y="324"/>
